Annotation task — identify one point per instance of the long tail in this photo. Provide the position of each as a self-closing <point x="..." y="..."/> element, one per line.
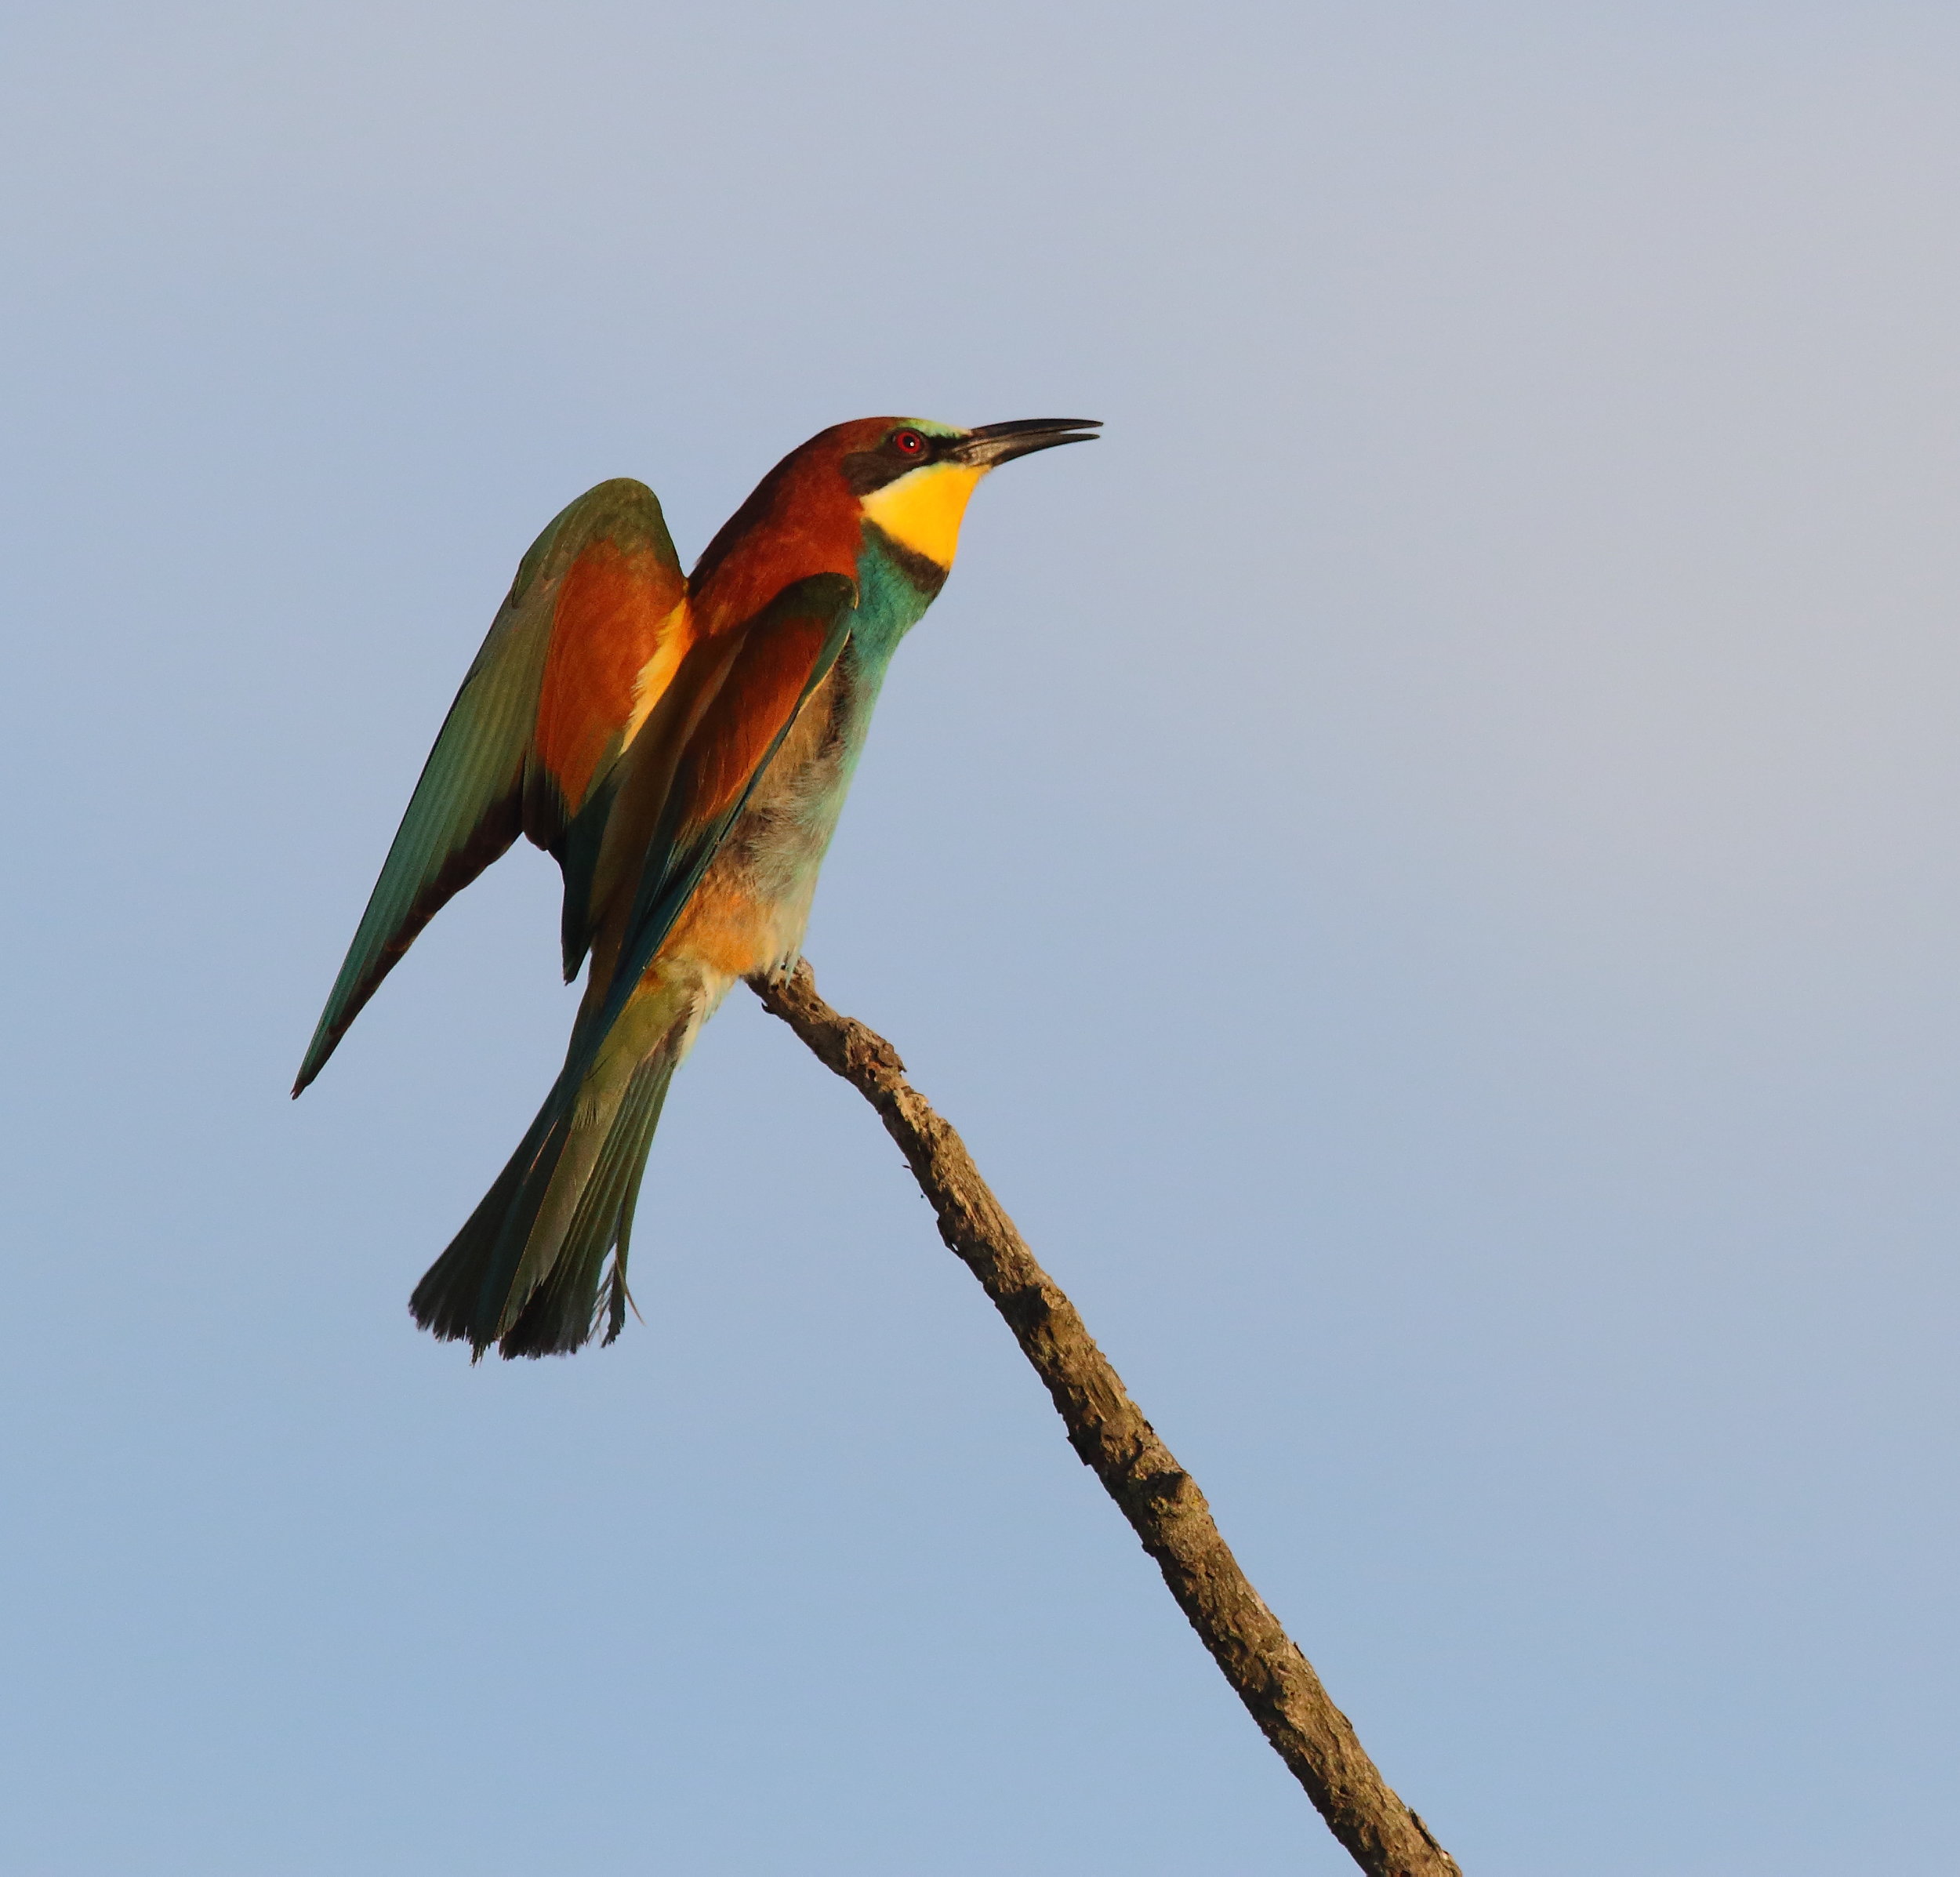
<point x="541" y="1267"/>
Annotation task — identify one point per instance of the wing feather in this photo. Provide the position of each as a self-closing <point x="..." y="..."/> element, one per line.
<point x="688" y="777"/>
<point x="592" y="631"/>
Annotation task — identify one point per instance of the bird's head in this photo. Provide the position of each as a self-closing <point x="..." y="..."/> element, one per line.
<point x="907" y="478"/>
<point x="913" y="478"/>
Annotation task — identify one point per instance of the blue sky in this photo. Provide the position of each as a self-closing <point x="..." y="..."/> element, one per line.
<point x="1424" y="865"/>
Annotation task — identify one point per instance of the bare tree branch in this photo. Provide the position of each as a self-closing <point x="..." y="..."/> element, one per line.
<point x="1161" y="1500"/>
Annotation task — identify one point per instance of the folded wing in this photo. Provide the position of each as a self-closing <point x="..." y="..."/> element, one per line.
<point x="589" y="637"/>
<point x="685" y="781"/>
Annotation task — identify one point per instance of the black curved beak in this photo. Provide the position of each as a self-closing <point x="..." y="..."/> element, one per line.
<point x="993" y="444"/>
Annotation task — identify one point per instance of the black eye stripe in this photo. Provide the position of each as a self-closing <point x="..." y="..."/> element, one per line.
<point x="886" y="461"/>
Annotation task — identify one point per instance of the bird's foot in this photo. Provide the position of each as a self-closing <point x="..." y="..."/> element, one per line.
<point x="775" y="976"/>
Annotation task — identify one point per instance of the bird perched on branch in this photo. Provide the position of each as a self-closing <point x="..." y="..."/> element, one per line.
<point x="682" y="746"/>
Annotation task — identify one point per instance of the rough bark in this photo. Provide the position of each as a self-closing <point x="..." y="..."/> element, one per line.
<point x="1161" y="1500"/>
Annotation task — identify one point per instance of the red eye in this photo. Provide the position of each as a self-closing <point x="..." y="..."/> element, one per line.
<point x="908" y="443"/>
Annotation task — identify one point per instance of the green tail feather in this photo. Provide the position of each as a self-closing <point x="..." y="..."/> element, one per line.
<point x="502" y="1280"/>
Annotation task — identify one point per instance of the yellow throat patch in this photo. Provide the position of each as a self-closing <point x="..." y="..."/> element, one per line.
<point x="922" y="510"/>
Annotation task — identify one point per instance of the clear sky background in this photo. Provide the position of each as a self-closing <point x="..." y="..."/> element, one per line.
<point x="1426" y="865"/>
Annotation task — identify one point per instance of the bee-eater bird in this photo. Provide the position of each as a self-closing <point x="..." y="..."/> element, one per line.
<point x="683" y="747"/>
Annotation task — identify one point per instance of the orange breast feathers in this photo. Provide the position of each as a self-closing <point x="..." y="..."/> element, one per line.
<point x="618" y="629"/>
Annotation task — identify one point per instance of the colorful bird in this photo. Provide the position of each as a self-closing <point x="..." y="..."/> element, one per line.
<point x="684" y="750"/>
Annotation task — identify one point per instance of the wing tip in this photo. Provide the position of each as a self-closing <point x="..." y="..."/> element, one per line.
<point x="325" y="1040"/>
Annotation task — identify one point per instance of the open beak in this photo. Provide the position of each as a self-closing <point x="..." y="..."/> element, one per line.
<point x="994" y="444"/>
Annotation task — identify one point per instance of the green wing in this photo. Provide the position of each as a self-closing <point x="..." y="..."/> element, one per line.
<point x="597" y="606"/>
